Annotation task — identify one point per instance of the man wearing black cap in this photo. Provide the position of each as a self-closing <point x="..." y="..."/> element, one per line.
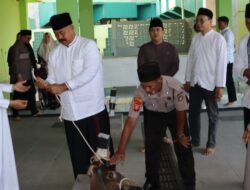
<point x="75" y="74"/>
<point x="166" y="103"/>
<point x="229" y="37"/>
<point x="205" y="77"/>
<point x="242" y="66"/>
<point x="21" y="61"/>
<point x="242" y="70"/>
<point x="164" y="53"/>
<point x="159" y="51"/>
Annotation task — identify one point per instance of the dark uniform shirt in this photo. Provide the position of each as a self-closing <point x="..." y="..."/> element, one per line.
<point x="172" y="96"/>
<point x="165" y="54"/>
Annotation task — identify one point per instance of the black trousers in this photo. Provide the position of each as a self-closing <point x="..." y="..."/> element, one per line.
<point x="90" y="127"/>
<point x="30" y="96"/>
<point x="246" y="117"/>
<point x="196" y="96"/>
<point x="155" y="129"/>
<point x="230" y="84"/>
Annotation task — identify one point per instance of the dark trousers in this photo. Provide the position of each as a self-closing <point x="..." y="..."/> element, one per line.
<point x="230" y="84"/>
<point x="246" y="117"/>
<point x="155" y="129"/>
<point x="196" y="96"/>
<point x="90" y="127"/>
<point x="30" y="96"/>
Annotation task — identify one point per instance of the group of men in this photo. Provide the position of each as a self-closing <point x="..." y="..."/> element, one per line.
<point x="75" y="74"/>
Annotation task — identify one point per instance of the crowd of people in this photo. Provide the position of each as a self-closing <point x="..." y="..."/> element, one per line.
<point x="210" y="66"/>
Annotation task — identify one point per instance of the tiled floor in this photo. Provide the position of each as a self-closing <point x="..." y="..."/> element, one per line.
<point x="43" y="160"/>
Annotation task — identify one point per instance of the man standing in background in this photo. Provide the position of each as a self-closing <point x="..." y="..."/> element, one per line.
<point x="157" y="50"/>
<point x="205" y="77"/>
<point x="22" y="61"/>
<point x="242" y="67"/>
<point x="229" y="37"/>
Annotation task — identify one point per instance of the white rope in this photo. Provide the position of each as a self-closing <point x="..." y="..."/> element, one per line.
<point x="60" y="117"/>
<point x="120" y="184"/>
<point x="85" y="140"/>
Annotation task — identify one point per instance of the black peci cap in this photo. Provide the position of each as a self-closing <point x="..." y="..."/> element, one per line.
<point x="25" y="33"/>
<point x="148" y="72"/>
<point x="206" y="12"/>
<point x="60" y="21"/>
<point x="247" y="13"/>
<point x="156" y="22"/>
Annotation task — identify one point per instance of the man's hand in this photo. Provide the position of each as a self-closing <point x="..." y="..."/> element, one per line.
<point x="187" y="86"/>
<point x="219" y="92"/>
<point x="56" y="88"/>
<point x="19" y="86"/>
<point x="246" y="136"/>
<point x="116" y="158"/>
<point x="183" y="140"/>
<point x="246" y="73"/>
<point x="42" y="84"/>
<point x="18" y="104"/>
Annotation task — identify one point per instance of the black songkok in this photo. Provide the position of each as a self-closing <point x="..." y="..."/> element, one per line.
<point x="148" y="72"/>
<point x="155" y="22"/>
<point x="60" y="21"/>
<point x="206" y="12"/>
<point x="25" y="33"/>
<point x="247" y="13"/>
<point x="223" y="19"/>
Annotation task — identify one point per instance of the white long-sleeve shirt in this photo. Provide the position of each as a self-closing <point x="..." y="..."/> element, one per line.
<point x="229" y="37"/>
<point x="8" y="173"/>
<point x="240" y="64"/>
<point x="207" y="61"/>
<point x="79" y="66"/>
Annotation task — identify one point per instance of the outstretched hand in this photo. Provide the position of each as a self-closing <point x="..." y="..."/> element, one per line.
<point x="187" y="86"/>
<point x="246" y="136"/>
<point x="116" y="158"/>
<point x="183" y="140"/>
<point x="18" y="104"/>
<point x="42" y="84"/>
<point x="20" y="86"/>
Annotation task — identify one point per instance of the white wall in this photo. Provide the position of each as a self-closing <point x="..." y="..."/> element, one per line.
<point x="121" y="71"/>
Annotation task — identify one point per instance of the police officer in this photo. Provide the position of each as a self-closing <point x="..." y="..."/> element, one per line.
<point x="165" y="100"/>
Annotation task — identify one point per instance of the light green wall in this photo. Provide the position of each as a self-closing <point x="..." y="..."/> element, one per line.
<point x="241" y="19"/>
<point x="10" y="25"/>
<point x="224" y="8"/>
<point x="86" y="18"/>
<point x="81" y="15"/>
<point x="23" y="12"/>
<point x="71" y="7"/>
<point x="101" y="32"/>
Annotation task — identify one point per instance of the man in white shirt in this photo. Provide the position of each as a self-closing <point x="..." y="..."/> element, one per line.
<point x="229" y="37"/>
<point x="75" y="73"/>
<point x="8" y="173"/>
<point x="242" y="68"/>
<point x="205" y="77"/>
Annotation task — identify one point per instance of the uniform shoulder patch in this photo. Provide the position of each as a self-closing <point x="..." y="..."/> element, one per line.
<point x="137" y="103"/>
